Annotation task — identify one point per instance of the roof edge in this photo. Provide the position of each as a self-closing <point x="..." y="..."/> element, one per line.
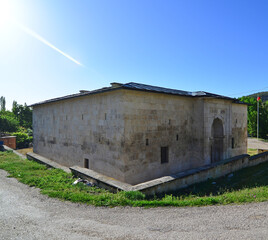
<point x="138" y="87"/>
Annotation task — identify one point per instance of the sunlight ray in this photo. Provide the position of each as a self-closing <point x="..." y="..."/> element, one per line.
<point x="41" y="39"/>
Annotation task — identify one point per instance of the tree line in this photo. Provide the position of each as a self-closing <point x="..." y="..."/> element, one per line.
<point x="252" y="116"/>
<point x="17" y="122"/>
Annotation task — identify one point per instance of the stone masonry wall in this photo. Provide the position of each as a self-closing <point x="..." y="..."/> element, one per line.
<point x="154" y="120"/>
<point x="239" y="129"/>
<point x="234" y="119"/>
<point x="121" y="132"/>
<point x="89" y="127"/>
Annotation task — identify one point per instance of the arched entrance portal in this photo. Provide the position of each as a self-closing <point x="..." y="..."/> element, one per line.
<point x="217" y="141"/>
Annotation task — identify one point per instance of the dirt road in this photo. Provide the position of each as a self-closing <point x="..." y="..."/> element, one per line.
<point x="26" y="214"/>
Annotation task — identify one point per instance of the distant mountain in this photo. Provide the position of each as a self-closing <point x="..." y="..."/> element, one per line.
<point x="262" y="95"/>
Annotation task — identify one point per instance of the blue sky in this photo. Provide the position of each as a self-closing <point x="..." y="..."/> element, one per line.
<point x="215" y="46"/>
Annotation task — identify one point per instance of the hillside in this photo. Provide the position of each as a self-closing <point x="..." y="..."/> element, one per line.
<point x="263" y="95"/>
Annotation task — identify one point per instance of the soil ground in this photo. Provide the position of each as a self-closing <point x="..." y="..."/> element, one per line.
<point x="24" y="151"/>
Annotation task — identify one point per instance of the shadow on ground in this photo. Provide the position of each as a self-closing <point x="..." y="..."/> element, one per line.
<point x="249" y="177"/>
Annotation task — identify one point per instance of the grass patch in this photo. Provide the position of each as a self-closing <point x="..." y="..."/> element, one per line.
<point x="246" y="185"/>
<point x="252" y="151"/>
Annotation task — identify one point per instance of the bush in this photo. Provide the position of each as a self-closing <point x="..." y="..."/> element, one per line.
<point x="22" y="140"/>
<point x="8" y="124"/>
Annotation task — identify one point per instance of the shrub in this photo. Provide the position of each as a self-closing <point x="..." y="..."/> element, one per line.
<point x="22" y="140"/>
<point x="8" y="124"/>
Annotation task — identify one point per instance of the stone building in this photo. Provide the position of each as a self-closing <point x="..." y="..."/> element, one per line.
<point x="134" y="132"/>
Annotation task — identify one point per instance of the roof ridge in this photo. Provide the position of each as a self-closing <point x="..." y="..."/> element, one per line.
<point x="138" y="87"/>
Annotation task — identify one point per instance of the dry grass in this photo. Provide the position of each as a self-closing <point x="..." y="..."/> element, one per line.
<point x="24" y="151"/>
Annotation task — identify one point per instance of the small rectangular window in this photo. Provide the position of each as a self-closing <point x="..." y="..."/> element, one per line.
<point x="164" y="155"/>
<point x="86" y="164"/>
<point x="177" y="137"/>
<point x="105" y="116"/>
<point x="232" y="142"/>
<point x="147" y="141"/>
<point x="82" y="117"/>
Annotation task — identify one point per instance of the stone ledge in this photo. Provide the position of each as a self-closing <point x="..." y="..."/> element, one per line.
<point x="188" y="173"/>
<point x="163" y="184"/>
<point x="258" y="156"/>
<point x="6" y="148"/>
<point x="37" y="158"/>
<point x="101" y="180"/>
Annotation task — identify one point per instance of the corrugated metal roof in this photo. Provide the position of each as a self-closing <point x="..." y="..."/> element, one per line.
<point x="138" y="87"/>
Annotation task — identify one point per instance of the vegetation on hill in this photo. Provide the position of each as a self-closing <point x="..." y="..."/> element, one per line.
<point x="244" y="186"/>
<point x="262" y="95"/>
<point x="17" y="122"/>
<point x="252" y="116"/>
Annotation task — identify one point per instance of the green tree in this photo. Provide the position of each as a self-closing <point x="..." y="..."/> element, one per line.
<point x="2" y="103"/>
<point x="23" y="114"/>
<point x="15" y="108"/>
<point x="252" y="116"/>
<point x="8" y="123"/>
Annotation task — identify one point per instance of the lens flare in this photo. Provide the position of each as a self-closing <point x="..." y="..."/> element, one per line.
<point x="41" y="39"/>
<point x="8" y="20"/>
<point x="5" y="13"/>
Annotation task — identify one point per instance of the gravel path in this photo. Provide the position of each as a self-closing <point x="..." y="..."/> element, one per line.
<point x="257" y="144"/>
<point x="26" y="214"/>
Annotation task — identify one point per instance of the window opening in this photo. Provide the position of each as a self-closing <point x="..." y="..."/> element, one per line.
<point x="86" y="163"/>
<point x="164" y="155"/>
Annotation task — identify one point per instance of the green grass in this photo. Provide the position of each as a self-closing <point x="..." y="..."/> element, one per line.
<point x="247" y="185"/>
<point x="252" y="151"/>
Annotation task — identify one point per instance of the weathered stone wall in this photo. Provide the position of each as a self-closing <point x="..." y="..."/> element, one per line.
<point x="239" y="129"/>
<point x="182" y="124"/>
<point x="164" y="120"/>
<point x="234" y="120"/>
<point x="121" y="132"/>
<point x="213" y="109"/>
<point x="89" y="127"/>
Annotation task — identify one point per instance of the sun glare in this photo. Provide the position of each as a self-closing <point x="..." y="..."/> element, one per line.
<point x="10" y="19"/>
<point x="5" y="13"/>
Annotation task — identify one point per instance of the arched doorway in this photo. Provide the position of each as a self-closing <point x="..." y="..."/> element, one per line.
<point x="217" y="141"/>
